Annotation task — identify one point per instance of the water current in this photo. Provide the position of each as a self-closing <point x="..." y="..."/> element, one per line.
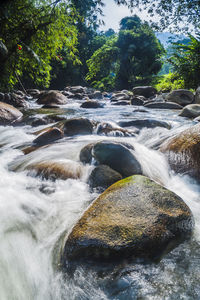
<point x="34" y="213"/>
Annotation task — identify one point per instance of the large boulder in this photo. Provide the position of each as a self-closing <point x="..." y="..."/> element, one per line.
<point x="51" y="97"/>
<point x="119" y="157"/>
<point x="146" y="91"/>
<point x="183" y="151"/>
<point x="15" y="99"/>
<point x="190" y="111"/>
<point x="197" y="96"/>
<point x="148" y="123"/>
<point x="49" y="136"/>
<point x="9" y="114"/>
<point x="53" y="170"/>
<point x="182" y="97"/>
<point x="78" y="126"/>
<point x="134" y="218"/>
<point x="163" y="105"/>
<point x="103" y="176"/>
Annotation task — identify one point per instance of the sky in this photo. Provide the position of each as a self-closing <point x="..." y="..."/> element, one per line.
<point x="114" y="13"/>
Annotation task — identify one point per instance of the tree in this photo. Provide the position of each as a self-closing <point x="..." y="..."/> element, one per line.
<point x="170" y="12"/>
<point x="68" y="72"/>
<point x="186" y="61"/>
<point x="34" y="32"/>
<point x="131" y="58"/>
<point x="103" y="65"/>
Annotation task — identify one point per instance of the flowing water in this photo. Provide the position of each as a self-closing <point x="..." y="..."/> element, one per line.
<point x="34" y="213"/>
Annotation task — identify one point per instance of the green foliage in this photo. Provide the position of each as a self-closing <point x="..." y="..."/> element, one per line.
<point x="88" y="41"/>
<point x="130" y="58"/>
<point x="186" y="61"/>
<point x="34" y="34"/>
<point x="169" y="13"/>
<point x="169" y="82"/>
<point x="103" y="65"/>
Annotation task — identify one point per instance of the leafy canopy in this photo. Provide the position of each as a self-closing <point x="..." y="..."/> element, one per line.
<point x="34" y="33"/>
<point x="132" y="57"/>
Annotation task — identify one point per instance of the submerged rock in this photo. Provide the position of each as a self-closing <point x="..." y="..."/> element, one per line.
<point x="183" y="151"/>
<point x="9" y="114"/>
<point x="103" y="176"/>
<point x="117" y="156"/>
<point x="56" y="169"/>
<point x="134" y="218"/>
<point x="78" y="126"/>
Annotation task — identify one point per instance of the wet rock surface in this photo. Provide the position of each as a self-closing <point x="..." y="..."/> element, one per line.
<point x="51" y="98"/>
<point x="78" y="126"/>
<point x="53" y="170"/>
<point x="9" y="114"/>
<point x="190" y="111"/>
<point x="183" y="151"/>
<point x="149" y="123"/>
<point x="134" y="218"/>
<point x="102" y="177"/>
<point x="117" y="156"/>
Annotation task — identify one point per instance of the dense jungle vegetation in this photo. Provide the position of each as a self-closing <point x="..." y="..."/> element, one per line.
<point x="51" y="44"/>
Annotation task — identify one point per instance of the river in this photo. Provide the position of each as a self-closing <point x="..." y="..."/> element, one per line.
<point x="35" y="212"/>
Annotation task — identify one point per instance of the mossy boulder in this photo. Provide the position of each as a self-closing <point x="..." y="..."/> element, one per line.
<point x="134" y="218"/>
<point x="9" y="114"/>
<point x="183" y="152"/>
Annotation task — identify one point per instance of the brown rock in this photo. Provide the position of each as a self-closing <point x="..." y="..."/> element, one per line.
<point x="51" y="97"/>
<point x="9" y="114"/>
<point x="183" y="151"/>
<point x="134" y="218"/>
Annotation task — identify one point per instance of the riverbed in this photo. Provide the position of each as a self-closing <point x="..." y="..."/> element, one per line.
<point x="35" y="212"/>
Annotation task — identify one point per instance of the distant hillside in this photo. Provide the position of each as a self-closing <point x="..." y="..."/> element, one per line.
<point x="165" y="37"/>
